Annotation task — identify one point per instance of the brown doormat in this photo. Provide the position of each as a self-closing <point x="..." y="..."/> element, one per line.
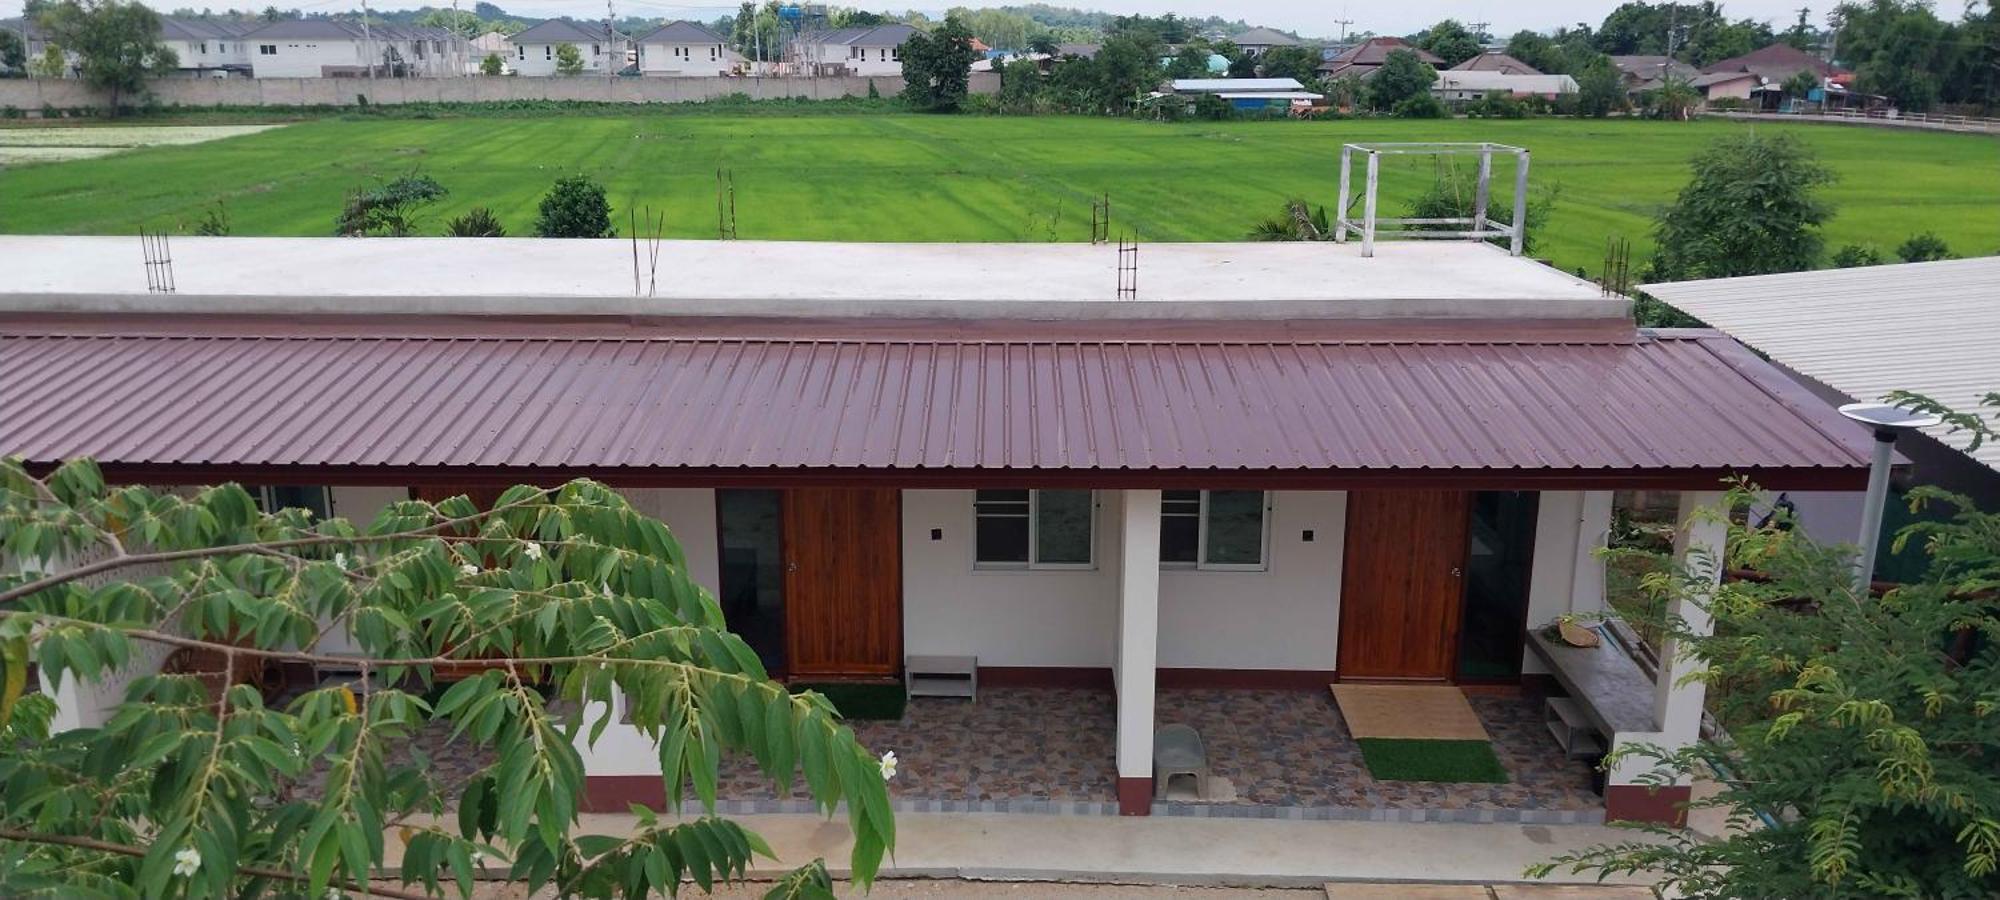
<point x="1408" y="711"/>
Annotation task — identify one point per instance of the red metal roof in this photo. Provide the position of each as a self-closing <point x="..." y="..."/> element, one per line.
<point x="1690" y="400"/>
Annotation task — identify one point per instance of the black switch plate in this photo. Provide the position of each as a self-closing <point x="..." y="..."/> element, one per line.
<point x="1306" y="535"/>
<point x="937" y="534"/>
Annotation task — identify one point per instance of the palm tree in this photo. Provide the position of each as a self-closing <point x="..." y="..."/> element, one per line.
<point x="1297" y="223"/>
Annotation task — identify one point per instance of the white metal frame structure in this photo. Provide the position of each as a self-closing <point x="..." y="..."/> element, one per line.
<point x="1479" y="228"/>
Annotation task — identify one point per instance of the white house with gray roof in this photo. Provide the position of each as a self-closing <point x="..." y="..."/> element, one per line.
<point x="865" y="50"/>
<point x="329" y="48"/>
<point x="603" y="50"/>
<point x="208" y="47"/>
<point x="684" y="49"/>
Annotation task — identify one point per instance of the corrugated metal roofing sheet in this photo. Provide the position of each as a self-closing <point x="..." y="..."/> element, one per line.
<point x="1676" y="402"/>
<point x="1925" y="327"/>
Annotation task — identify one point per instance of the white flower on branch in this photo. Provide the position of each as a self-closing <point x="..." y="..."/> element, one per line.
<point x="469" y="570"/>
<point x="187" y="861"/>
<point x="532" y="551"/>
<point x="888" y="765"/>
<point x="340" y="561"/>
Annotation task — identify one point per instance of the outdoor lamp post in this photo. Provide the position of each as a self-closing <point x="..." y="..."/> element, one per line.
<point x="1888" y="421"/>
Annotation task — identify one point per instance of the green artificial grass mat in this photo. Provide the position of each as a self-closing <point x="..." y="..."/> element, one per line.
<point x="1407" y="759"/>
<point x="861" y="700"/>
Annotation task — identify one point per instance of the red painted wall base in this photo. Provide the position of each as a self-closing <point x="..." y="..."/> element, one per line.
<point x="1135" y="796"/>
<point x="1639" y="803"/>
<point x="617" y="793"/>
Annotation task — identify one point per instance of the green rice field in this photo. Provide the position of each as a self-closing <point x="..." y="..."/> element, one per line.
<point x="900" y="177"/>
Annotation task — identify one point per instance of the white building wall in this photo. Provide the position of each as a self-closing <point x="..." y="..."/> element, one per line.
<point x="302" y="59"/>
<point x="873" y="61"/>
<point x="683" y="60"/>
<point x="1009" y="617"/>
<point x="539" y="59"/>
<point x="1285" y="617"/>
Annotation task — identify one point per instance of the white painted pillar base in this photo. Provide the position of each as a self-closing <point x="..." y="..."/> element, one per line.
<point x="1593" y="535"/>
<point x="1699" y="546"/>
<point x="1138" y="647"/>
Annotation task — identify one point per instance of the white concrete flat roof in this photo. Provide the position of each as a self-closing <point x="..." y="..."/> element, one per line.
<point x="591" y="277"/>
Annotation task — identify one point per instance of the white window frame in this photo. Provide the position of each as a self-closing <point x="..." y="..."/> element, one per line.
<point x="1201" y="563"/>
<point x="1034" y="539"/>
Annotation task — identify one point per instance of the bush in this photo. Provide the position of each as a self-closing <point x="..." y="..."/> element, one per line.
<point x="1420" y="106"/>
<point x="1497" y="105"/>
<point x="476" y="222"/>
<point x="1853" y="256"/>
<point x="388" y="210"/>
<point x="214" y="222"/>
<point x="1212" y="108"/>
<point x="492" y="65"/>
<point x="1926" y="247"/>
<point x="574" y="208"/>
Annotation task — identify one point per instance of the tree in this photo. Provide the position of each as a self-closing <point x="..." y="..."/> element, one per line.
<point x="1125" y="68"/>
<point x="1675" y="98"/>
<point x="52" y="64"/>
<point x="574" y="207"/>
<point x="13" y="53"/>
<point x="1860" y="730"/>
<point x="1536" y="50"/>
<point x="1599" y="89"/>
<point x="1449" y="41"/>
<point x="1898" y="48"/>
<point x="116" y="42"/>
<point x="569" y="60"/>
<point x="555" y="597"/>
<point x="1295" y="62"/>
<point x="1401" y="76"/>
<point x="1801" y="85"/>
<point x="1925" y="247"/>
<point x="1751" y="208"/>
<point x="1191" y="62"/>
<point x="937" y="67"/>
<point x="1298" y="222"/>
<point x="388" y="209"/>
<point x="492" y="65"/>
<point x="1020" y="85"/>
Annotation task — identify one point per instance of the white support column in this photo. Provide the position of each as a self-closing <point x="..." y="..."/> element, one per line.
<point x="1593" y="534"/>
<point x="1677" y="701"/>
<point x="1698" y="550"/>
<point x="1138" y="647"/>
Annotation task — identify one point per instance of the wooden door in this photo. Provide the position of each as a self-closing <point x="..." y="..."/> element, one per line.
<point x="843" y="582"/>
<point x="1402" y="584"/>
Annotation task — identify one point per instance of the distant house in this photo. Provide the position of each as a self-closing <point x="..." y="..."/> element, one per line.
<point x="331" y="48"/>
<point x="1257" y="40"/>
<point x="1759" y="77"/>
<point x="1248" y="93"/>
<point x="535" y="49"/>
<point x="1458" y="85"/>
<point x="208" y="47"/>
<point x="1496" y="61"/>
<point x="868" y="50"/>
<point x="1649" y="73"/>
<point x="684" y="49"/>
<point x="1364" y="58"/>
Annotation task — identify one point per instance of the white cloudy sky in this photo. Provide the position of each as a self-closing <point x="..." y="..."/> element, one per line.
<point x="1310" y="17"/>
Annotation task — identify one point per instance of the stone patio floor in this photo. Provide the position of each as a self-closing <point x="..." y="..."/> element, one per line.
<point x="1052" y="750"/>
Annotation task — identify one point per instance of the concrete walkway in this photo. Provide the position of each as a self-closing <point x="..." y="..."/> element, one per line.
<point x="1220" y="852"/>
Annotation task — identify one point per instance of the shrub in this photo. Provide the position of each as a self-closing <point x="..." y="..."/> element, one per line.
<point x="1213" y="108"/>
<point x="1420" y="106"/>
<point x="1853" y="256"/>
<point x="574" y="208"/>
<point x="214" y="222"/>
<point x="476" y="222"/>
<point x="1926" y="247"/>
<point x="388" y="209"/>
<point x="491" y="65"/>
<point x="1497" y="105"/>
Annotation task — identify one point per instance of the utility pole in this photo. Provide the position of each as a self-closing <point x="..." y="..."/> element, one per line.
<point x="368" y="40"/>
<point x="1343" y="23"/>
<point x="1479" y="31"/>
<point x="611" y="43"/>
<point x="457" y="40"/>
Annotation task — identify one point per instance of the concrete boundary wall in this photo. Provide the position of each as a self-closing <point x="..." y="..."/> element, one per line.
<point x="30" y="94"/>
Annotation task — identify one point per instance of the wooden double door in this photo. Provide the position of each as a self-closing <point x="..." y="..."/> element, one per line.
<point x="812" y="578"/>
<point x="1402" y="585"/>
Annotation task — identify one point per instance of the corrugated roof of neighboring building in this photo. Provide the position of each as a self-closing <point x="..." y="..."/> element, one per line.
<point x="276" y="394"/>
<point x="683" y="32"/>
<point x="1931" y="327"/>
<point x="1776" y="62"/>
<point x="1236" y="85"/>
<point x="1481" y="80"/>
<point x="890" y="35"/>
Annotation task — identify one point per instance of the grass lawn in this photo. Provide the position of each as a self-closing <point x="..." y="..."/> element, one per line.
<point x="900" y="177"/>
<point x="1408" y="759"/>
